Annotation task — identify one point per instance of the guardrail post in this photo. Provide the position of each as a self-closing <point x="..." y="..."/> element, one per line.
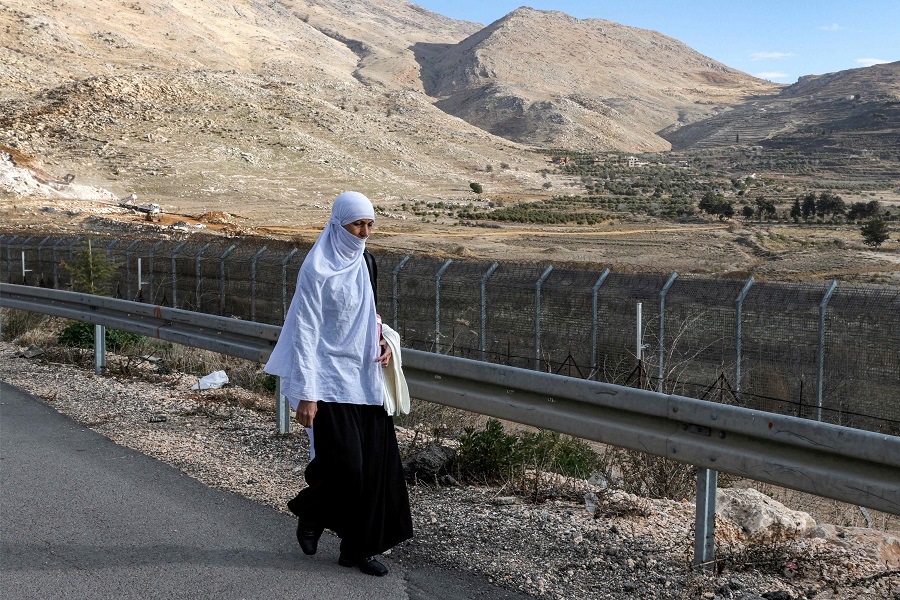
<point x="394" y="287"/>
<point x="595" y="325"/>
<point x="662" y="324"/>
<point x="483" y="337"/>
<point x="253" y="282"/>
<point x="222" y="278"/>
<point x="738" y="311"/>
<point x="537" y="317"/>
<point x="284" y="264"/>
<point x="128" y="270"/>
<point x="705" y="519"/>
<point x="282" y="409"/>
<point x="437" y="305"/>
<point x="100" y="349"/>
<point x="197" y="278"/>
<point x="175" y="252"/>
<point x="823" y="306"/>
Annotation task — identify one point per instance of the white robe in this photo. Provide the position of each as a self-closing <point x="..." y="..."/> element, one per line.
<point x="329" y="341"/>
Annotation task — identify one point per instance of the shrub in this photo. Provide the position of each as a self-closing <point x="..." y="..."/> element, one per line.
<point x="492" y="455"/>
<point x="487" y="456"/>
<point x="476" y="187"/>
<point x="269" y="383"/>
<point x="875" y="232"/>
<point x="81" y="335"/>
<point x="18" y="322"/>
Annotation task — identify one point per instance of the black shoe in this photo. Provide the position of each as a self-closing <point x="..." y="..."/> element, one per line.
<point x="308" y="537"/>
<point x="369" y="566"/>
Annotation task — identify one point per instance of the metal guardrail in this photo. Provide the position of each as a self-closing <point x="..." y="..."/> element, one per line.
<point x="850" y="465"/>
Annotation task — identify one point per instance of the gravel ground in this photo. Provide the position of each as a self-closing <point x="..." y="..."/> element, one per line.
<point x="628" y="547"/>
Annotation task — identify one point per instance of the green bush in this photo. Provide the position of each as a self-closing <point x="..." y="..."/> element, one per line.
<point x="487" y="456"/>
<point x="551" y="451"/>
<point x="81" y="335"/>
<point x="492" y="455"/>
<point x="269" y="383"/>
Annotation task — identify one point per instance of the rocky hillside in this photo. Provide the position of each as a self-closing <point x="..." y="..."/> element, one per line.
<point x="857" y="109"/>
<point x="269" y="109"/>
<point x="254" y="108"/>
<point x="548" y="79"/>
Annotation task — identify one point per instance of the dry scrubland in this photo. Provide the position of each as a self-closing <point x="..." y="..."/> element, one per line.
<point x="267" y="111"/>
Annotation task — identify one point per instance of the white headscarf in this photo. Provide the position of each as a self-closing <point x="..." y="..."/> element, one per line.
<point x="329" y="342"/>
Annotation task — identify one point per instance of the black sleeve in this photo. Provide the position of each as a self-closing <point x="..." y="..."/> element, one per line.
<point x="373" y="272"/>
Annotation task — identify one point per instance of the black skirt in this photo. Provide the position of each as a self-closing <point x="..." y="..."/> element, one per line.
<point x="356" y="484"/>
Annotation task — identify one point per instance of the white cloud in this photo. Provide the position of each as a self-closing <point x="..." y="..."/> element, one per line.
<point x="772" y="75"/>
<point x="832" y="27"/>
<point x="868" y="62"/>
<point x="770" y="55"/>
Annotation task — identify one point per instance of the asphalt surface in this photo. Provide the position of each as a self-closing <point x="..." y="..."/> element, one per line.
<point x="81" y="517"/>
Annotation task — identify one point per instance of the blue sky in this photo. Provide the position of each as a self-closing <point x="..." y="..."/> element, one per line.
<point x="779" y="41"/>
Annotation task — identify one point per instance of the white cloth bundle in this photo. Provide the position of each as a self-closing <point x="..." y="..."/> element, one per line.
<point x="396" y="392"/>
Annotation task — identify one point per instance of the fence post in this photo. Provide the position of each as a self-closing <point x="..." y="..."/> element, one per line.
<point x="9" y="255"/>
<point x="99" y="349"/>
<point x="56" y="263"/>
<point x="40" y="260"/>
<point x="72" y="253"/>
<point x="537" y="317"/>
<point x="128" y="270"/>
<point x="823" y="306"/>
<point x="24" y="270"/>
<point x="282" y="409"/>
<point x="175" y="252"/>
<point x="739" y="308"/>
<point x="437" y="305"/>
<point x="639" y="327"/>
<point x="662" y="323"/>
<point x="3" y="237"/>
<point x="595" y="326"/>
<point x="484" y="279"/>
<point x="112" y="244"/>
<point x="284" y="264"/>
<point x="150" y="269"/>
<point x="253" y="282"/>
<point x="705" y="519"/>
<point x="394" y="287"/>
<point x="197" y="279"/>
<point x="222" y="278"/>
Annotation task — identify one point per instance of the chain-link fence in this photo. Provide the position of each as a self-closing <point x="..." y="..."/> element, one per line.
<point x="815" y="350"/>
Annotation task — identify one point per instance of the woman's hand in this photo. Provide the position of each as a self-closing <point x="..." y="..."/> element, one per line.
<point x="306" y="412"/>
<point x="386" y="354"/>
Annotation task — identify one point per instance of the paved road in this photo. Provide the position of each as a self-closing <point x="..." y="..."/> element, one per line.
<point x="81" y="517"/>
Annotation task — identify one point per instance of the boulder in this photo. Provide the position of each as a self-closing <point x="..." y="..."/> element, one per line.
<point x="759" y="518"/>
<point x="431" y="464"/>
<point x="881" y="547"/>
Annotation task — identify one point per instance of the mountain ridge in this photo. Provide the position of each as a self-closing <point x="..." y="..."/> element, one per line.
<point x="213" y="105"/>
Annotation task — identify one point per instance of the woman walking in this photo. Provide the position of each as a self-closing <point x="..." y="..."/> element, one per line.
<point x="329" y="356"/>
